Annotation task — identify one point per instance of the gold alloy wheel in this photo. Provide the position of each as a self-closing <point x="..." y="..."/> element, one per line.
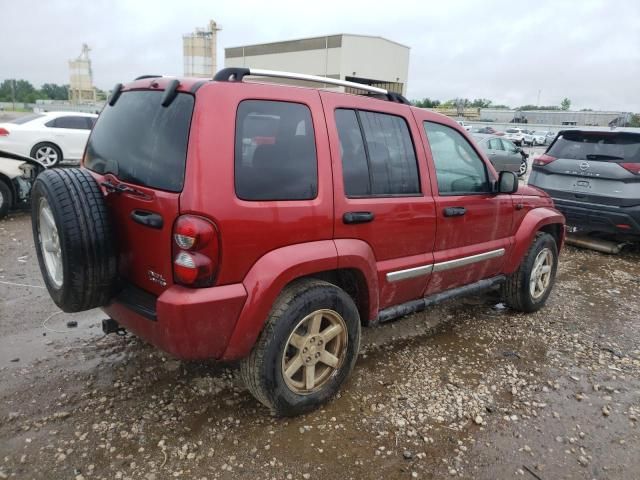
<point x="541" y="273"/>
<point x="314" y="351"/>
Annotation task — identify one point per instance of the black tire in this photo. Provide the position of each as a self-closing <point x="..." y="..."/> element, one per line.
<point x="516" y="290"/>
<point x="53" y="146"/>
<point x="84" y="235"/>
<point x="262" y="370"/>
<point x="6" y="199"/>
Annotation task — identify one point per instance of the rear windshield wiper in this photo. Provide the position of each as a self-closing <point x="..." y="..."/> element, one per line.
<point x="598" y="156"/>
<point x="122" y="188"/>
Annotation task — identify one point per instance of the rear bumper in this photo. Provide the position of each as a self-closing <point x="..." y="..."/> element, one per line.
<point x="191" y="324"/>
<point x="589" y="217"/>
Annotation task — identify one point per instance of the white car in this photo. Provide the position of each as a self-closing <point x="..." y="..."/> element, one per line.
<point x="540" y="138"/>
<point x="48" y="137"/>
<point x="17" y="174"/>
<point x="516" y="135"/>
<point x="466" y="126"/>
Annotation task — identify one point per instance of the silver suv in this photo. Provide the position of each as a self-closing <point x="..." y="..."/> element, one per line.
<point x="594" y="179"/>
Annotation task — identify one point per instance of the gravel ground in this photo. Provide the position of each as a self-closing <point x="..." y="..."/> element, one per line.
<point x="468" y="389"/>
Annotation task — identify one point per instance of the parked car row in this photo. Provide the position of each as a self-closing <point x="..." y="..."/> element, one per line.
<point x="503" y="154"/>
<point x="517" y="135"/>
<point x="48" y="137"/>
<point x="31" y="143"/>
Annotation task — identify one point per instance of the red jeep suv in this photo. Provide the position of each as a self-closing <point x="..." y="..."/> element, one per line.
<point x="230" y="219"/>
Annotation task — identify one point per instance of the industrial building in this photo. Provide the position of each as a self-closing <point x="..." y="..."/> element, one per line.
<point x="364" y="59"/>
<point x="81" y="89"/>
<point x="556" y="117"/>
<point x="199" y="51"/>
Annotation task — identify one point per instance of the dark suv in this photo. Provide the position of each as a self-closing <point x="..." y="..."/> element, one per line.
<point x="594" y="179"/>
<point x="237" y="220"/>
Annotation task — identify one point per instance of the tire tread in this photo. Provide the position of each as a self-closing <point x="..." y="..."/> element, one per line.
<point x="85" y="232"/>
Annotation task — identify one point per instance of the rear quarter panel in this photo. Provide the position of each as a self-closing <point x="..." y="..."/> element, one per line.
<point x="250" y="229"/>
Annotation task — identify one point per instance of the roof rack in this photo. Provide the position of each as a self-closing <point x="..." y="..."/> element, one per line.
<point x="238" y="74"/>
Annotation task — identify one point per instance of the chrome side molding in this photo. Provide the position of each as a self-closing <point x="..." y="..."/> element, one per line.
<point x="409" y="273"/>
<point x="421" y="270"/>
<point x="461" y="262"/>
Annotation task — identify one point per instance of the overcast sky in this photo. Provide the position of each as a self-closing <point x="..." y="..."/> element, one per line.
<point x="586" y="50"/>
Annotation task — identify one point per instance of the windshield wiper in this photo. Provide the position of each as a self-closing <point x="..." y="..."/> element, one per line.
<point x="598" y="156"/>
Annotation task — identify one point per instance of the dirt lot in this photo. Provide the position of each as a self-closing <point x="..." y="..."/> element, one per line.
<point x="468" y="389"/>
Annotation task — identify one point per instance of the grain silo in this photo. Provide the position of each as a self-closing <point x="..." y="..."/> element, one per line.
<point x="199" y="51"/>
<point x="81" y="78"/>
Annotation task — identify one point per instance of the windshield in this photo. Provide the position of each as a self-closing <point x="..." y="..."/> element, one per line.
<point x="140" y="141"/>
<point x="603" y="146"/>
<point x="513" y="130"/>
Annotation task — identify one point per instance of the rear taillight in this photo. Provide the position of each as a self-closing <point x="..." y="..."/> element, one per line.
<point x="631" y="167"/>
<point x="543" y="160"/>
<point x="4" y="132"/>
<point x="195" y="251"/>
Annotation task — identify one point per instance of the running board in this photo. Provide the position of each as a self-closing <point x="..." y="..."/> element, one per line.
<point x="415" y="306"/>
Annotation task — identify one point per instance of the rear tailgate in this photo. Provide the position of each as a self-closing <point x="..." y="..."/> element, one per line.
<point x="592" y="167"/>
<point x="138" y="152"/>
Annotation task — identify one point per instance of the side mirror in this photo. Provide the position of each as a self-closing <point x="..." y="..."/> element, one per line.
<point x="507" y="182"/>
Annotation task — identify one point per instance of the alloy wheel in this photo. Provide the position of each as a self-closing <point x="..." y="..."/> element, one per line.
<point x="47" y="156"/>
<point x="541" y="273"/>
<point x="315" y="350"/>
<point x="50" y="243"/>
<point x="523" y="167"/>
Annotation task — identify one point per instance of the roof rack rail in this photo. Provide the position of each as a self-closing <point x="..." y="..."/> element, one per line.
<point x="238" y="74"/>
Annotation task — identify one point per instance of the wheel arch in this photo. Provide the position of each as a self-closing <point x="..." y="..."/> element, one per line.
<point x="272" y="273"/>
<point x="542" y="219"/>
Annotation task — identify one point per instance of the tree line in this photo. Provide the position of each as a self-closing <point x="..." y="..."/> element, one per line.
<point x="485" y="103"/>
<point x="23" y="91"/>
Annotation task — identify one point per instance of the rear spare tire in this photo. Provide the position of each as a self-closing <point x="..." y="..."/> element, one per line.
<point x="73" y="239"/>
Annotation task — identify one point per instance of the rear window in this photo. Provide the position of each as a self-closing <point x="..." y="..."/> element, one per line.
<point x="140" y="141"/>
<point x="26" y="118"/>
<point x="275" y="151"/>
<point x="72" y="122"/>
<point x="598" y="146"/>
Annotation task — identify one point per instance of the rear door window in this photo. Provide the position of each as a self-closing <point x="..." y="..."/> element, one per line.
<point x="495" y="144"/>
<point x="377" y="153"/>
<point x="275" y="151"/>
<point x="597" y="146"/>
<point x="26" y="119"/>
<point x="508" y="146"/>
<point x="140" y="141"/>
